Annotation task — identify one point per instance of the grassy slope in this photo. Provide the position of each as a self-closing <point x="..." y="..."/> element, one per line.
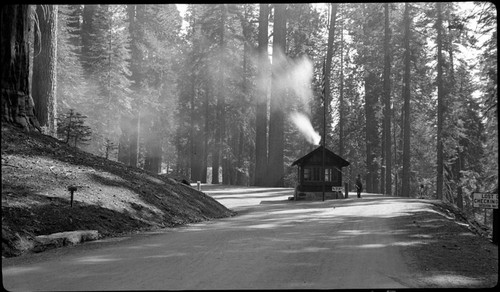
<point x="111" y="197"/>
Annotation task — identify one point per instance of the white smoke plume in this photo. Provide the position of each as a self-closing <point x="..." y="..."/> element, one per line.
<point x="305" y="127"/>
<point x="298" y="77"/>
<point x="294" y="76"/>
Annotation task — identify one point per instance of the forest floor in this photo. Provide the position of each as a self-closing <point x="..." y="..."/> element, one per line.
<point x="110" y="197"/>
<point x="456" y="258"/>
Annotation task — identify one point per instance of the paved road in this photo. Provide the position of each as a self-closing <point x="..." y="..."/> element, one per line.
<point x="272" y="243"/>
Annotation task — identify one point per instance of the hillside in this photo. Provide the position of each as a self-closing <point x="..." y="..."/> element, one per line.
<point x="110" y="197"/>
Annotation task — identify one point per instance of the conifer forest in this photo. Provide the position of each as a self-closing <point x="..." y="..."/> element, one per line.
<point x="235" y="93"/>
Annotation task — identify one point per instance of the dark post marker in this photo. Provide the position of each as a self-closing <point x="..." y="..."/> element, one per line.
<point x="72" y="189"/>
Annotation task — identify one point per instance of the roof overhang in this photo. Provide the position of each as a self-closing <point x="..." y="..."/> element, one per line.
<point x="339" y="160"/>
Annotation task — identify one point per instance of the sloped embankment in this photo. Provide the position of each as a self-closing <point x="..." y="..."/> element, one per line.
<point x="110" y="197"/>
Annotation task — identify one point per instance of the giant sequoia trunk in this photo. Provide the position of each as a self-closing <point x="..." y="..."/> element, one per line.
<point x="275" y="173"/>
<point x="45" y="67"/>
<point x="261" y="100"/>
<point x="17" y="104"/>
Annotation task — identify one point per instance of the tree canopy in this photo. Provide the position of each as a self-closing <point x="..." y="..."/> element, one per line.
<point x="212" y="94"/>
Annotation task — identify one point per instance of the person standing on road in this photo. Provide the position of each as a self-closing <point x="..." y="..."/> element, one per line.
<point x="421" y="192"/>
<point x="359" y="185"/>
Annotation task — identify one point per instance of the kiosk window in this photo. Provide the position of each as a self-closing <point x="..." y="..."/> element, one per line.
<point x="312" y="174"/>
<point x="307" y="174"/>
<point x="328" y="174"/>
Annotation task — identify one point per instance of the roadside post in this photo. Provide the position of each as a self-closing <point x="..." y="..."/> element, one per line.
<point x="72" y="189"/>
<point x="346" y="187"/>
<point x="198" y="184"/>
<point x="488" y="201"/>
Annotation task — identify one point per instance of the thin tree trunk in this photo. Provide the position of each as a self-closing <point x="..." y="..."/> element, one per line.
<point x="70" y="126"/>
<point x="240" y="174"/>
<point x="136" y="15"/>
<point x="326" y="90"/>
<point x="87" y="28"/>
<point x="275" y="168"/>
<point x="440" y="106"/>
<point x="406" y="108"/>
<point x="371" y="99"/>
<point x="382" y="157"/>
<point x="195" y="154"/>
<point x="220" y="116"/>
<point x="206" y="107"/>
<point x="371" y="131"/>
<point x="124" y="140"/>
<point x="195" y="140"/>
<point x="451" y="91"/>
<point x="341" y="93"/>
<point x="152" y="144"/>
<point x="261" y="100"/>
<point x="158" y="153"/>
<point x="134" y="139"/>
<point x="329" y="52"/>
<point x="387" y="103"/>
<point x="396" y="161"/>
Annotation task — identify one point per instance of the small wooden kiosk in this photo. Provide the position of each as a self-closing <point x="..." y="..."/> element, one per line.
<point x="310" y="185"/>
